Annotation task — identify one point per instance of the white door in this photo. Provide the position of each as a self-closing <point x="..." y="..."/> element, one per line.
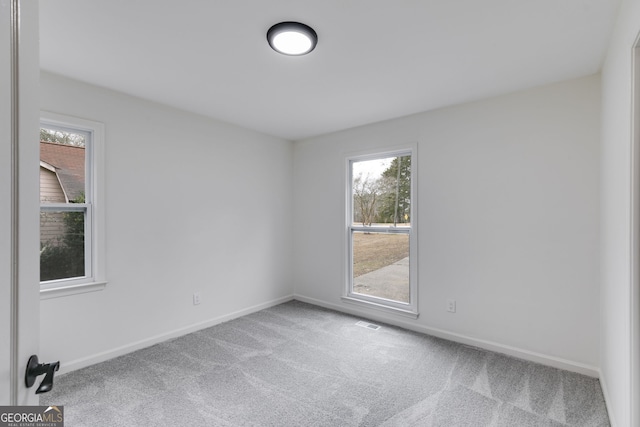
<point x="19" y="203"/>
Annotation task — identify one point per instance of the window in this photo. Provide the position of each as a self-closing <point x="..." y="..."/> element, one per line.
<point x="69" y="216"/>
<point x="381" y="232"/>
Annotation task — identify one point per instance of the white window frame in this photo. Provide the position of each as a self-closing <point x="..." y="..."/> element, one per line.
<point x="94" y="278"/>
<point x="409" y="309"/>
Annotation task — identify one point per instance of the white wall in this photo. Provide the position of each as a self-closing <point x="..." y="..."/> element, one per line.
<point x="192" y="204"/>
<point x="508" y="220"/>
<point x="616" y="294"/>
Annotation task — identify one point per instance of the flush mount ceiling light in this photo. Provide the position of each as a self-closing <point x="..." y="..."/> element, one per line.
<point x="292" y="38"/>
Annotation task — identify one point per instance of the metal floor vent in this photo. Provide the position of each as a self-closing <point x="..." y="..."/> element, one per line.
<point x="368" y="325"/>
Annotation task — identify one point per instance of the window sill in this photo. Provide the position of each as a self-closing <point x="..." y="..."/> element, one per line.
<point x="381" y="307"/>
<point x="65" y="291"/>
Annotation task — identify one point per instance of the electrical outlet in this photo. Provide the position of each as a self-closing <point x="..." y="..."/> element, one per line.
<point x="451" y="305"/>
<point x="196" y="298"/>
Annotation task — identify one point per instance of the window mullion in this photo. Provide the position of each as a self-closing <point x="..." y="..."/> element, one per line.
<point x="64" y="207"/>
<point x="404" y="230"/>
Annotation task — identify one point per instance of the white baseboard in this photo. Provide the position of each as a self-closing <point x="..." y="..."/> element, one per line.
<point x="147" y="342"/>
<point x="531" y="356"/>
<point x="607" y="399"/>
<point x="484" y="344"/>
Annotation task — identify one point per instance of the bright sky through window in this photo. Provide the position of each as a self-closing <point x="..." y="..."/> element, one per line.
<point x="372" y="168"/>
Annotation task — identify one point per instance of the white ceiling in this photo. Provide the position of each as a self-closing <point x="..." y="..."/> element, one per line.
<point x="375" y="59"/>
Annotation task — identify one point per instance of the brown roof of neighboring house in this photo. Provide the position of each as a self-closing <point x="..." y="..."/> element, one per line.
<point x="69" y="163"/>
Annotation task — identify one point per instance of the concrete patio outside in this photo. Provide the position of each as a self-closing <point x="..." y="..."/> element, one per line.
<point x="390" y="282"/>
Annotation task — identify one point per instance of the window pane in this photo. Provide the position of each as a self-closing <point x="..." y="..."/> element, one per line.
<point x="62" y="167"/>
<point x="381" y="190"/>
<point x="381" y="265"/>
<point x="61" y="245"/>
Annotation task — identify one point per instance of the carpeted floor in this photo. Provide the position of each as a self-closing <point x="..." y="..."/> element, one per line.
<point x="300" y="365"/>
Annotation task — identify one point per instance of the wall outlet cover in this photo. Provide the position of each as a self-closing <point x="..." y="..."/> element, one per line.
<point x="451" y="305"/>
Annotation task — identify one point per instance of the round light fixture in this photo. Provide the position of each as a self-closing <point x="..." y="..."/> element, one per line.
<point x="292" y="38"/>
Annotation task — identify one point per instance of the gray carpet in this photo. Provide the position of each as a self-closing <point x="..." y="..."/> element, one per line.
<point x="299" y="365"/>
